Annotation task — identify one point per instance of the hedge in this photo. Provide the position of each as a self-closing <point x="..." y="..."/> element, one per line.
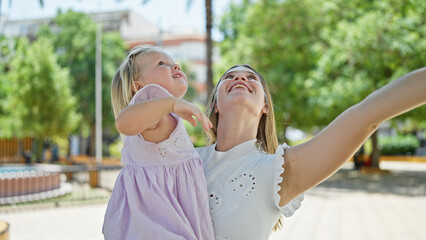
<point x="399" y="145"/>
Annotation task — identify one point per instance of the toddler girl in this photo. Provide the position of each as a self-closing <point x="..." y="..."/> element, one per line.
<point x="161" y="191"/>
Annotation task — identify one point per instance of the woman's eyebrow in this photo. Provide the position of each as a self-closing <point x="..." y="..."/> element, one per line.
<point x="236" y="71"/>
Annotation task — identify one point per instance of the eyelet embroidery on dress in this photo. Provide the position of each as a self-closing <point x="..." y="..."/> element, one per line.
<point x="178" y="141"/>
<point x="243" y="184"/>
<point x="163" y="149"/>
<point x="234" y="189"/>
<point x="214" y="201"/>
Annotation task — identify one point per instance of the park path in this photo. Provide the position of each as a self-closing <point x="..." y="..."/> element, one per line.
<point x="349" y="205"/>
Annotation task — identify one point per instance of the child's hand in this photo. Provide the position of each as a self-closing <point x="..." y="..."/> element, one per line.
<point x="188" y="110"/>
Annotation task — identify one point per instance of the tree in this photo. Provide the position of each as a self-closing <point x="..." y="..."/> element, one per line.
<point x="74" y="41"/>
<point x="39" y="100"/>
<point x="320" y="57"/>
<point x="280" y="45"/>
<point x="7" y="48"/>
<point x="364" y="54"/>
<point x="209" y="45"/>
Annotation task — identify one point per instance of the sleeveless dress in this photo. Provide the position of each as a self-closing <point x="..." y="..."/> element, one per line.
<point x="161" y="191"/>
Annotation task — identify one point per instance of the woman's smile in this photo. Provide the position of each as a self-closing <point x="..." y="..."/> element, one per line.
<point x="239" y="86"/>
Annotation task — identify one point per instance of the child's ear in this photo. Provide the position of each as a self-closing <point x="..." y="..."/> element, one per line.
<point x="136" y="86"/>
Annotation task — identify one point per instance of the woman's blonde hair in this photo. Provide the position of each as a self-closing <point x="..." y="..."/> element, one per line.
<point x="266" y="133"/>
<point x="122" y="89"/>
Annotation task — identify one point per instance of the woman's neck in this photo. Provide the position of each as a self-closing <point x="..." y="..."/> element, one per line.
<point x="234" y="129"/>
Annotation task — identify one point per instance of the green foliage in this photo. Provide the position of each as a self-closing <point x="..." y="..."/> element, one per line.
<point x="276" y="38"/>
<point x="39" y="99"/>
<point x="7" y="48"/>
<point x="74" y="42"/>
<point x="408" y="125"/>
<point x="399" y="145"/>
<point x="115" y="148"/>
<point x="366" y="51"/>
<point x="190" y="76"/>
<point x="321" y="57"/>
<point x="197" y="134"/>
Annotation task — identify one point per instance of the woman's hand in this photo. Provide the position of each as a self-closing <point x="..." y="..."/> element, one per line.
<point x="188" y="111"/>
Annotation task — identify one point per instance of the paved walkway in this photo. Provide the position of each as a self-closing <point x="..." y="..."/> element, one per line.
<point x="64" y="223"/>
<point x="348" y="206"/>
<point x="353" y="206"/>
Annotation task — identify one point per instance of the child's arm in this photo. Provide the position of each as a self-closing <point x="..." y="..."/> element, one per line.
<point x="308" y="164"/>
<point x="147" y="115"/>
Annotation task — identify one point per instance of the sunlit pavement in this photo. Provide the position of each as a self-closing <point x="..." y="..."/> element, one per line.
<point x="354" y="206"/>
<point x="348" y="206"/>
<point x="62" y="223"/>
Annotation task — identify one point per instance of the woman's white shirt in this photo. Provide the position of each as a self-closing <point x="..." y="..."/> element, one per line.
<point x="243" y="185"/>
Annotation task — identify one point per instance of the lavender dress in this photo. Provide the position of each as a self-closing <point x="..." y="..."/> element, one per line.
<point x="161" y="191"/>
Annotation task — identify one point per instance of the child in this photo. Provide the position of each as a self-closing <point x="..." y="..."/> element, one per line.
<point x="161" y="191"/>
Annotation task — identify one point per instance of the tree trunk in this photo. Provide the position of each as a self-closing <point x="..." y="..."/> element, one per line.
<point x="359" y="158"/>
<point x="20" y="152"/>
<point x="284" y="137"/>
<point x="209" y="46"/>
<point x="375" y="155"/>
<point x="39" y="149"/>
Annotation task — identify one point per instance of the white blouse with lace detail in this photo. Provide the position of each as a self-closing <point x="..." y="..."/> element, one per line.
<point x="243" y="185"/>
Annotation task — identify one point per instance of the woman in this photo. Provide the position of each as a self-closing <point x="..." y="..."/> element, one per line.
<point x="244" y="167"/>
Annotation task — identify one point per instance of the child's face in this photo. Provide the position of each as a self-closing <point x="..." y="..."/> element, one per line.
<point x="159" y="68"/>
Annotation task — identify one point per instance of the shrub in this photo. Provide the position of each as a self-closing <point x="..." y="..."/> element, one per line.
<point x="115" y="148"/>
<point x="399" y="145"/>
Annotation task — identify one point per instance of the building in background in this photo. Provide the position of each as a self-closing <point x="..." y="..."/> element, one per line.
<point x="184" y="45"/>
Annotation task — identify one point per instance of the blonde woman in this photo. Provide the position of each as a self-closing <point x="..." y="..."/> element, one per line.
<point x="161" y="192"/>
<point x="251" y="180"/>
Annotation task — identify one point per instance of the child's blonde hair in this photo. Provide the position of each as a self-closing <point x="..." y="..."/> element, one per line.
<point x="122" y="87"/>
<point x="266" y="133"/>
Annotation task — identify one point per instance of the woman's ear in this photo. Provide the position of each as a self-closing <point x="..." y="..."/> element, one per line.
<point x="265" y="110"/>
<point x="215" y="110"/>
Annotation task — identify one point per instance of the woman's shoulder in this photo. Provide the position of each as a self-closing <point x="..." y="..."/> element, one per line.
<point x="203" y="151"/>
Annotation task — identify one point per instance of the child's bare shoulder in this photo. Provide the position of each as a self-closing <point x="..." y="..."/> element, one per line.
<point x="149" y="92"/>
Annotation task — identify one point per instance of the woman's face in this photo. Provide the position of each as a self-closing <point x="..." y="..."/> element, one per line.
<point x="240" y="87"/>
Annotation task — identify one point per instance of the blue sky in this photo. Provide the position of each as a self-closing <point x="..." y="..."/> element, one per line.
<point x="167" y="14"/>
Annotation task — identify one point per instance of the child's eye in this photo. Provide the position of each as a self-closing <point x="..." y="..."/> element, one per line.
<point x="228" y="76"/>
<point x="161" y="63"/>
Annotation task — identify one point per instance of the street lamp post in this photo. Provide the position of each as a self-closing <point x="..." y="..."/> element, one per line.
<point x="98" y="90"/>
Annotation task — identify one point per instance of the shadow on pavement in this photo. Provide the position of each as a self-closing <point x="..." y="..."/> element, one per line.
<point x="403" y="183"/>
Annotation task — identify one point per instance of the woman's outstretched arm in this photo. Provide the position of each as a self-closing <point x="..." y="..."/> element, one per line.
<point x="312" y="162"/>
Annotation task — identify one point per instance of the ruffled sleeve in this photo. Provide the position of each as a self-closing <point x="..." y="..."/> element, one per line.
<point x="288" y="209"/>
<point x="150" y="91"/>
